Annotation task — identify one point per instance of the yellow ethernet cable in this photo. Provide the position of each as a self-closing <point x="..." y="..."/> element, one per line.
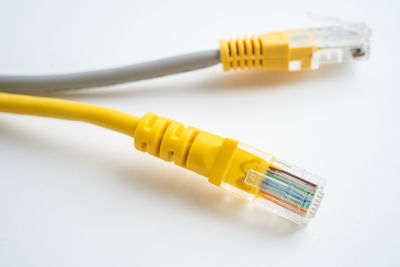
<point x="294" y="50"/>
<point x="265" y="180"/>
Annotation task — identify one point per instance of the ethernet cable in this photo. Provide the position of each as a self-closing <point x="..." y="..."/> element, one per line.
<point x="294" y="50"/>
<point x="265" y="180"/>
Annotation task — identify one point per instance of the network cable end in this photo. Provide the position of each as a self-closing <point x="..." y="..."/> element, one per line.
<point x="273" y="184"/>
<point x="297" y="49"/>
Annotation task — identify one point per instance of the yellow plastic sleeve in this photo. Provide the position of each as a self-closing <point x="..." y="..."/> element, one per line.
<point x="269" y="51"/>
<point x="188" y="147"/>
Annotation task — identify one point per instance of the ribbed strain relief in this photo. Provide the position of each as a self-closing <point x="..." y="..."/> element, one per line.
<point x="164" y="138"/>
<point x="241" y="53"/>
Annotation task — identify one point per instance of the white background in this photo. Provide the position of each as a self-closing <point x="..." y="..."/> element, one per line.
<point x="73" y="194"/>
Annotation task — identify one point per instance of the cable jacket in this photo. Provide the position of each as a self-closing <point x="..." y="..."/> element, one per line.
<point x="69" y="110"/>
<point x="130" y="73"/>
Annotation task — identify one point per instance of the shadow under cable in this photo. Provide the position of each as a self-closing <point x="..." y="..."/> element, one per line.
<point x="169" y="186"/>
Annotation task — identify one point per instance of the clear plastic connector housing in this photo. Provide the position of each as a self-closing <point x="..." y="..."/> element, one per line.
<point x="288" y="191"/>
<point x="336" y="44"/>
